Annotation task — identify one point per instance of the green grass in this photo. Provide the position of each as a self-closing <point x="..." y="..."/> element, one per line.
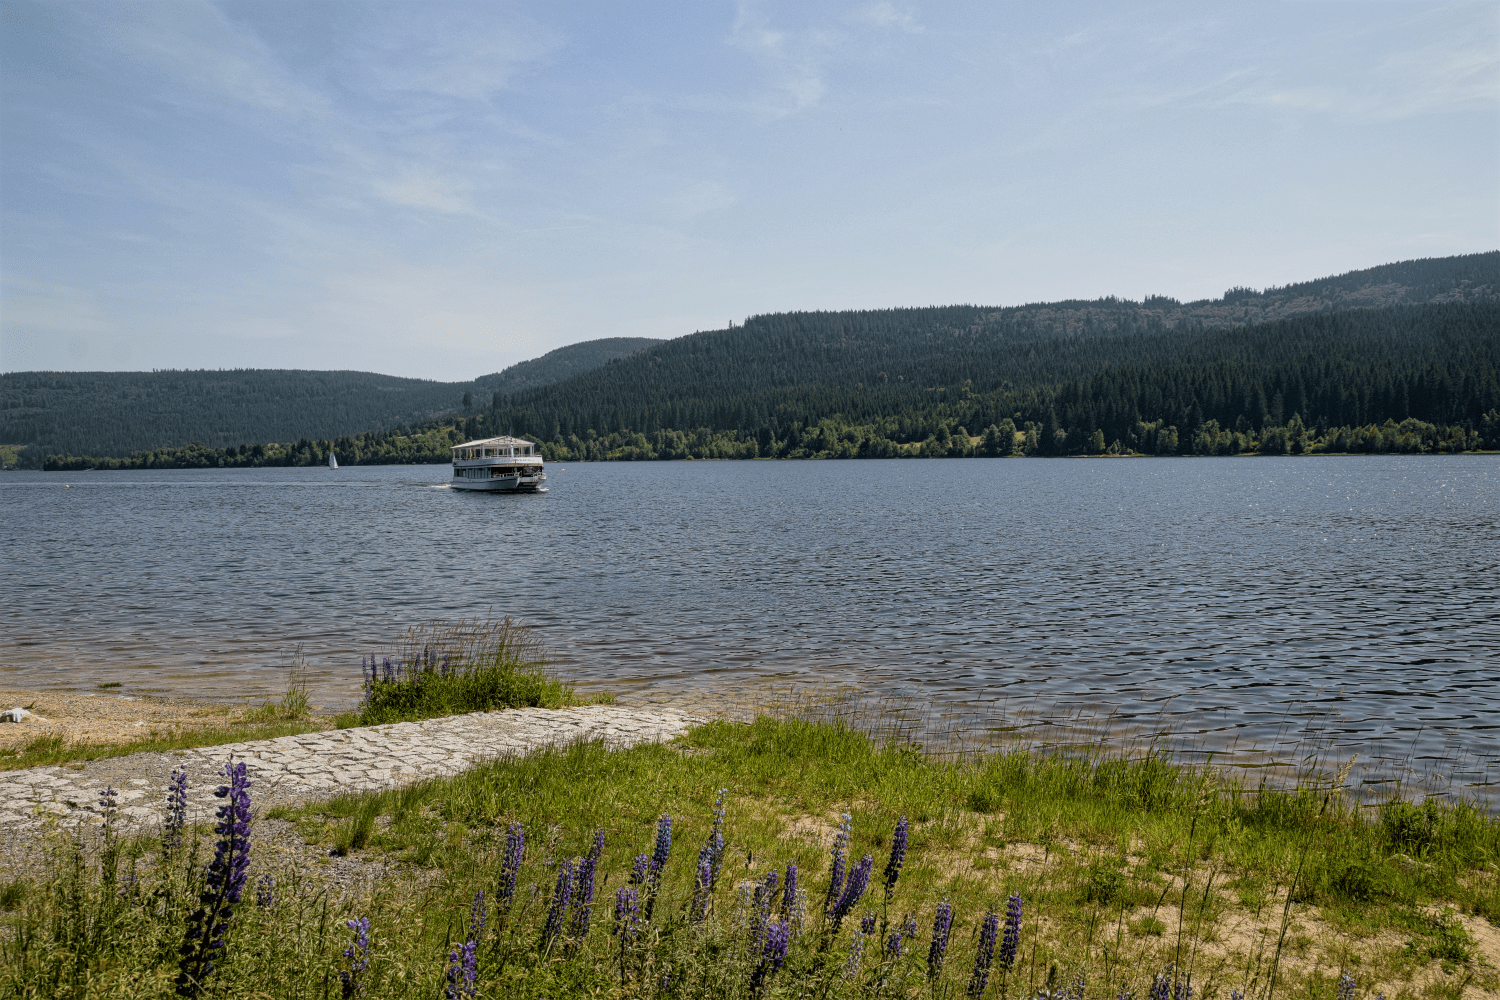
<point x="45" y="750"/>
<point x="444" y="669"/>
<point x="1126" y="865"/>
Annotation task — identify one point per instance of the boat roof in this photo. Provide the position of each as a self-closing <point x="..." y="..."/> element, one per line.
<point x="504" y="440"/>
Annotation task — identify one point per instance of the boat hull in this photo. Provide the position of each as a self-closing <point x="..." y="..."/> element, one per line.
<point x="508" y="484"/>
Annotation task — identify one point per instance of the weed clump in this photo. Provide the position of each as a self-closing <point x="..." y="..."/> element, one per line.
<point x="444" y="669"/>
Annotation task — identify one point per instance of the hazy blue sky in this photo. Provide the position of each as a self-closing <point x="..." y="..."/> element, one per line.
<point x="442" y="189"/>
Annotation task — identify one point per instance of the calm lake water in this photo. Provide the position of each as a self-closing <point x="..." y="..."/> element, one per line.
<point x="1243" y="602"/>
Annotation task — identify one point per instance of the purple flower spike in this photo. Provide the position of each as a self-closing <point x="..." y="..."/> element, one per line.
<point x="583" y="892"/>
<point x="358" y="957"/>
<point x="265" y="891"/>
<point x="840" y="864"/>
<point x="638" y="869"/>
<point x="1011" y="940"/>
<point x="463" y="973"/>
<point x="859" y="880"/>
<point x="510" y="869"/>
<point x="223" y="885"/>
<point x="171" y="835"/>
<point x="561" y="896"/>
<point x="1346" y="987"/>
<point x="772" y="956"/>
<point x="942" y="924"/>
<point x="663" y="848"/>
<point x="898" y="857"/>
<point x="867" y="924"/>
<point x="987" y="931"/>
<point x="789" y="890"/>
<point x="627" y="923"/>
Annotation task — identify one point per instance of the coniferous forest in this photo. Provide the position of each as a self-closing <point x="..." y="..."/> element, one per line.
<point x="1403" y="358"/>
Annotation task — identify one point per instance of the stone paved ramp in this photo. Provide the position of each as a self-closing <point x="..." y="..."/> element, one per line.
<point x="292" y="769"/>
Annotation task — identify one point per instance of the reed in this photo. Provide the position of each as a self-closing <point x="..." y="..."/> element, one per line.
<point x="449" y="668"/>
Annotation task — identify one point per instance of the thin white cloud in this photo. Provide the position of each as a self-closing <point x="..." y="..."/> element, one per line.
<point x="889" y="15"/>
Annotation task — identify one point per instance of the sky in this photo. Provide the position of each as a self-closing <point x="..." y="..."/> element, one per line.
<point x="439" y="189"/>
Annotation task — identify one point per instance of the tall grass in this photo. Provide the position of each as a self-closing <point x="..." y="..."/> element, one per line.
<point x="448" y="668"/>
<point x="1127" y="865"/>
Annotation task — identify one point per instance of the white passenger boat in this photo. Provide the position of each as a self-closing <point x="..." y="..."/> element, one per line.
<point x="501" y="464"/>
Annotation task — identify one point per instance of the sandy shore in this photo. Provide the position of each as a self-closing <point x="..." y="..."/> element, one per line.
<point x="106" y="718"/>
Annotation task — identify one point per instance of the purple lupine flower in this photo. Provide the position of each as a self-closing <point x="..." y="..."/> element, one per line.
<point x="1161" y="987"/>
<point x="265" y="891"/>
<point x="171" y="836"/>
<point x="1011" y="941"/>
<point x="638" y="869"/>
<point x="840" y="864"/>
<point x="893" y="944"/>
<point x="859" y="880"/>
<point x="856" y="951"/>
<point x="765" y="894"/>
<point x="463" y="973"/>
<point x="772" y="955"/>
<point x="789" y="890"/>
<point x="987" y="931"/>
<point x="358" y="957"/>
<point x="583" y="891"/>
<point x="942" y="923"/>
<point x="867" y="924"/>
<point x="663" y="848"/>
<point x="703" y="883"/>
<point x="110" y="809"/>
<point x="627" y="922"/>
<point x="1236" y="994"/>
<point x="478" y="917"/>
<point x="223" y="885"/>
<point x="510" y="869"/>
<point x="716" y="836"/>
<point x="561" y="895"/>
<point x="1181" y="990"/>
<point x="897" y="859"/>
<point x="1346" y="986"/>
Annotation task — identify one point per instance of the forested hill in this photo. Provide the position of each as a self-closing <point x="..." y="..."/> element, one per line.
<point x="118" y="413"/>
<point x="554" y="366"/>
<point x="800" y="367"/>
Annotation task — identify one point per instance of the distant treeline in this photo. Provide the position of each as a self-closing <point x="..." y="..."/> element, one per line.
<point x="1360" y="369"/>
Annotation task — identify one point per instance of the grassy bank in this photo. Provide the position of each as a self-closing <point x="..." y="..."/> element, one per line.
<point x="1127" y="869"/>
<point x="434" y="670"/>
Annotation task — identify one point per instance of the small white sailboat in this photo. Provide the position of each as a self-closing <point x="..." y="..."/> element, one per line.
<point x="333" y="462"/>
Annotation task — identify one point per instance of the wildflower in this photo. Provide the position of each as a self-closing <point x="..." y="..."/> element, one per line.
<point x="897" y="859"/>
<point x="1011" y="940"/>
<point x="897" y="937"/>
<point x="773" y="954"/>
<point x="715" y="843"/>
<point x="224" y="883"/>
<point x="638" y="869"/>
<point x="981" y="977"/>
<point x="510" y="868"/>
<point x="358" y="957"/>
<point x="859" y="878"/>
<point x="583" y="889"/>
<point x="560" y="898"/>
<point x="662" y="851"/>
<point x="840" y="864"/>
<point x="703" y="883"/>
<point x="1345" y="989"/>
<point x="1235" y="994"/>
<point x="789" y="890"/>
<point x="108" y="806"/>
<point x="627" y="922"/>
<point x="478" y="915"/>
<point x="760" y="911"/>
<point x="942" y="923"/>
<point x="857" y="945"/>
<point x="463" y="973"/>
<point x="265" y="891"/>
<point x="171" y="836"/>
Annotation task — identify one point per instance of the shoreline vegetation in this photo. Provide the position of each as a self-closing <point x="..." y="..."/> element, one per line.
<point x="813" y="852"/>
<point x="433" y="670"/>
<point x="788" y="857"/>
<point x="832" y="438"/>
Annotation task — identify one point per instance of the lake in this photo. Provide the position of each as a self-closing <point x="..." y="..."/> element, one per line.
<point x="1244" y="603"/>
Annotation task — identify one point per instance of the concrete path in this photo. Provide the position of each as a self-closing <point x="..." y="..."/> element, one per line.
<point x="293" y="769"/>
